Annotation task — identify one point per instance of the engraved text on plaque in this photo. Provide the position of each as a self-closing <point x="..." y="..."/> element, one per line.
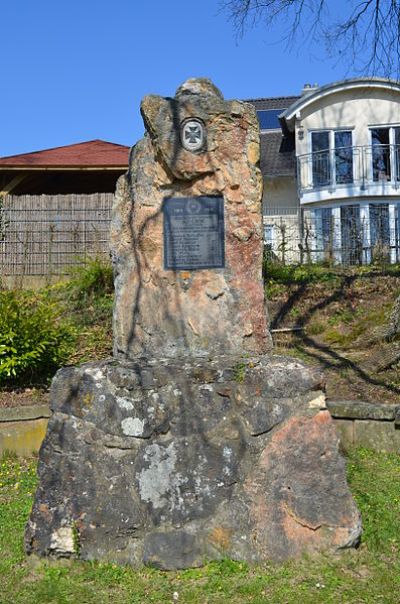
<point x="193" y="233"/>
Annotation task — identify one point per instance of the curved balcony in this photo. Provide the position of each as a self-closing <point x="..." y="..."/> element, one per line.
<point x="363" y="171"/>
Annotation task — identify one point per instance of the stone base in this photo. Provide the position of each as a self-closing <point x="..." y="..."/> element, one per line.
<point x="171" y="463"/>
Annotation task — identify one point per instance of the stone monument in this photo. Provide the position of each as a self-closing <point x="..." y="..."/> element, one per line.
<point x="193" y="442"/>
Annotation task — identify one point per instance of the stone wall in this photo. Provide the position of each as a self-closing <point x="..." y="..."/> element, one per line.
<point x="359" y="424"/>
<point x="371" y="425"/>
<point x="22" y="429"/>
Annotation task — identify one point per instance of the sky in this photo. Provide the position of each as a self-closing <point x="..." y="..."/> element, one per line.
<point x="76" y="70"/>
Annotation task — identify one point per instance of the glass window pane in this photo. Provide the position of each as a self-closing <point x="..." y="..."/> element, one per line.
<point x="268" y="119"/>
<point x="380" y="230"/>
<point x="268" y="234"/>
<point x="380" y="154"/>
<point x="351" y="233"/>
<point x="320" y="141"/>
<point x="397" y="151"/>
<point x="321" y="169"/>
<point x="323" y="233"/>
<point x="397" y="230"/>
<point x="343" y="157"/>
<point x="326" y="218"/>
<point x="380" y="136"/>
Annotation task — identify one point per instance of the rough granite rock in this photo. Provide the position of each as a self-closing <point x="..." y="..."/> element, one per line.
<point x="165" y="463"/>
<point x="218" y="311"/>
<point x="190" y="444"/>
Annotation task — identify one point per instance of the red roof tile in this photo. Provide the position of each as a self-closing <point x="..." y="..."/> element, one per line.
<point x="95" y="153"/>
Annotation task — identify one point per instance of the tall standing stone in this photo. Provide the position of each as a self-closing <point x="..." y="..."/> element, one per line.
<point x="171" y="313"/>
<point x="191" y="443"/>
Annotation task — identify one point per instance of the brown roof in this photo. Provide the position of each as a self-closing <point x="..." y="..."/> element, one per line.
<point x="94" y="154"/>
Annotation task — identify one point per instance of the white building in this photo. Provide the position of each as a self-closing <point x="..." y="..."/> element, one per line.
<point x="331" y="164"/>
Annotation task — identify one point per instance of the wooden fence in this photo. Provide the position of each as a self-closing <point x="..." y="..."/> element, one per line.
<point x="45" y="235"/>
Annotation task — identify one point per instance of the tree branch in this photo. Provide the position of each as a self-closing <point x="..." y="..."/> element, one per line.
<point x="366" y="36"/>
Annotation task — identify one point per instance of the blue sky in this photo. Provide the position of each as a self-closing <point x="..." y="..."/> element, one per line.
<point x="76" y="70"/>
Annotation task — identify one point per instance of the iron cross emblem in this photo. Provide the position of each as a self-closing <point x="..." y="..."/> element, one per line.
<point x="192" y="135"/>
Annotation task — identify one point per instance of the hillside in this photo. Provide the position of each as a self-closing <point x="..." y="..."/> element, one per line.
<point x="339" y="319"/>
<point x="332" y="318"/>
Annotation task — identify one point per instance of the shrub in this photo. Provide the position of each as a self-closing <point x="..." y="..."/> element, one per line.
<point x="34" y="340"/>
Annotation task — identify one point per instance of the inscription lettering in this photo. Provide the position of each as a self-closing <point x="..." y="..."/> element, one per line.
<point x="193" y="233"/>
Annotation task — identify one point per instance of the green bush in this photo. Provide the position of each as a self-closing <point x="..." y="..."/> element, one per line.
<point x="34" y="340"/>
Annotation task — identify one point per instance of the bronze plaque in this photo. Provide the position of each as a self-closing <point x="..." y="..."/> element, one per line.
<point x="194" y="233"/>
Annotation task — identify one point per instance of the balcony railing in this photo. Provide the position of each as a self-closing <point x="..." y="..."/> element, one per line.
<point x="359" y="167"/>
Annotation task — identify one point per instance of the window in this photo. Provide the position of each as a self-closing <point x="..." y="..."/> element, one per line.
<point x="380" y="154"/>
<point x="269" y="238"/>
<point x="385" y="144"/>
<point x="343" y="157"/>
<point x="379" y="230"/>
<point x="397" y="151"/>
<point x="321" y="168"/>
<point x="332" y="157"/>
<point x="397" y="230"/>
<point x="268" y="119"/>
<point x="351" y="234"/>
<point x="324" y="233"/>
<point x="268" y="235"/>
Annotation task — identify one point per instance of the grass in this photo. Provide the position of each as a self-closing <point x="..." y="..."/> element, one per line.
<point x="369" y="575"/>
<point x="301" y="273"/>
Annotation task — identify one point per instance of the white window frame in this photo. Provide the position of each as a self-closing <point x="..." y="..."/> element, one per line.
<point x="331" y="132"/>
<point x="391" y="128"/>
<point x="273" y="234"/>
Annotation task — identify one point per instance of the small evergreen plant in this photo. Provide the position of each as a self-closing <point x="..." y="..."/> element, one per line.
<point x="34" y="340"/>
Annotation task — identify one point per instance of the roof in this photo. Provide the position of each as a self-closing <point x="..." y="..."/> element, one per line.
<point x="89" y="154"/>
<point x="279" y="102"/>
<point x="277" y="151"/>
<point x="350" y="84"/>
<point x="277" y="154"/>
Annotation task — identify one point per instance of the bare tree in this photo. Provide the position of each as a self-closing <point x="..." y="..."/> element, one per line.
<point x="363" y="34"/>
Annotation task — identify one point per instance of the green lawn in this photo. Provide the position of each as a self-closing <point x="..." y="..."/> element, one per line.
<point x="369" y="575"/>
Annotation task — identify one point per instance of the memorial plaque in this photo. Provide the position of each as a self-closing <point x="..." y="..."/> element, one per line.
<point x="193" y="233"/>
